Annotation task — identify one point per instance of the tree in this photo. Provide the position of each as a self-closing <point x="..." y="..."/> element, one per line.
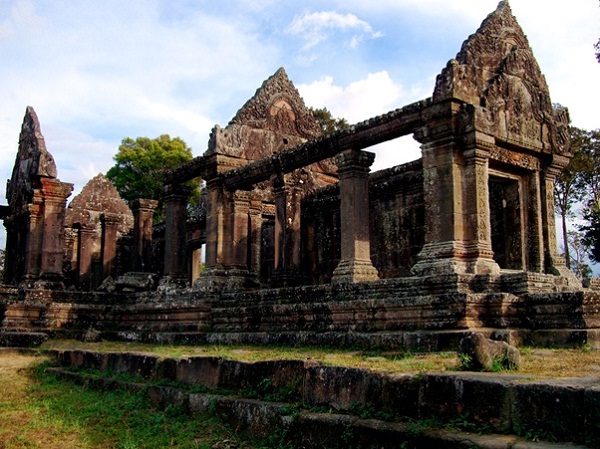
<point x="590" y="185"/>
<point x="327" y="122"/>
<point x="578" y="258"/>
<point x="568" y="189"/>
<point x="141" y="165"/>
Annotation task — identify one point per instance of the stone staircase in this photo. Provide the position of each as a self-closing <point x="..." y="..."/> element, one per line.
<point x="306" y="404"/>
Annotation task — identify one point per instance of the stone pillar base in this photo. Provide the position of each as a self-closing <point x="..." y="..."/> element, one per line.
<point x="170" y="284"/>
<point x="287" y="278"/>
<point x="454" y="258"/>
<point x="218" y="278"/>
<point x="354" y="271"/>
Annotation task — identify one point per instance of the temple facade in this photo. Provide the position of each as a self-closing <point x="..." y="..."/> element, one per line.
<point x="303" y="243"/>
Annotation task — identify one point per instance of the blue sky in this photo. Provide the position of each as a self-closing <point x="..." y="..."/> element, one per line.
<point x="97" y="71"/>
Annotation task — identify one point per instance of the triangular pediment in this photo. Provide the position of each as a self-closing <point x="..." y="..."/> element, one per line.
<point x="496" y="71"/>
<point x="277" y="106"/>
<point x="273" y="120"/>
<point x="99" y="196"/>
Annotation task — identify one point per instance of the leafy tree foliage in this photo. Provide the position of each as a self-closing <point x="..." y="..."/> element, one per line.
<point x="141" y="164"/>
<point x="579" y="184"/>
<point x="327" y="122"/>
<point x="569" y="188"/>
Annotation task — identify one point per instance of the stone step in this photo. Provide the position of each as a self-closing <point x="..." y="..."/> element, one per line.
<point x="21" y="339"/>
<point x="564" y="410"/>
<point x="290" y="426"/>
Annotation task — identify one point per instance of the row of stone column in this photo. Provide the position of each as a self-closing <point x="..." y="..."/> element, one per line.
<point x="457" y="209"/>
<point x="233" y="231"/>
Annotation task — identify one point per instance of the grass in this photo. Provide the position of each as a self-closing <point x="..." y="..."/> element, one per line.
<point x="543" y="363"/>
<point x="37" y="411"/>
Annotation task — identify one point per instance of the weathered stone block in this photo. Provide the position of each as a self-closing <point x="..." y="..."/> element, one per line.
<point x="199" y="371"/>
<point x="22" y="339"/>
<point x="476" y="352"/>
<point x="343" y="388"/>
<point x="551" y="409"/>
<point x="400" y="395"/>
<point x="484" y="400"/>
<point x="164" y="397"/>
<point x="135" y="364"/>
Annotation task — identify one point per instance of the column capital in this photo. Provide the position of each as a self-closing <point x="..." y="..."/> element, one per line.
<point x="354" y="160"/>
<point x="55" y="190"/>
<point x="109" y="219"/>
<point x="174" y="191"/>
<point x="143" y="204"/>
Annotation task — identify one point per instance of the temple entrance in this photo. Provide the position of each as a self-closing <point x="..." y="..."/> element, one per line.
<point x="506" y="222"/>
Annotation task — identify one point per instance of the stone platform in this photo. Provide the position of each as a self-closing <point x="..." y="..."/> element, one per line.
<point x="419" y="313"/>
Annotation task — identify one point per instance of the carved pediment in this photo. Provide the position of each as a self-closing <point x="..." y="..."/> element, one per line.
<point x="99" y="196"/>
<point x="33" y="161"/>
<point x="273" y="119"/>
<point x="277" y="106"/>
<point x="496" y="71"/>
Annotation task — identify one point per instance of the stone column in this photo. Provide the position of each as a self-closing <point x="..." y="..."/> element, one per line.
<point x="355" y="264"/>
<point x="456" y="196"/>
<point x="196" y="264"/>
<point x="85" y="245"/>
<point x="108" y="248"/>
<point x="287" y="270"/>
<point x="534" y="235"/>
<point x="143" y="213"/>
<point x="255" y="211"/>
<point x="237" y="227"/>
<point x="175" y="264"/>
<point x="32" y="235"/>
<point x="55" y="194"/>
<point x="217" y="202"/>
<point x="477" y="234"/>
<point x="555" y="263"/>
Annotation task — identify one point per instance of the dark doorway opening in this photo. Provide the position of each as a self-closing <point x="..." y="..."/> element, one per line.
<point x="506" y="222"/>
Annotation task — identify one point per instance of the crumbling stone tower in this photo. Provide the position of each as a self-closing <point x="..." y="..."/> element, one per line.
<point x="34" y="218"/>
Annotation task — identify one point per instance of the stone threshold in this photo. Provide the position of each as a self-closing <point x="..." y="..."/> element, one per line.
<point x="299" y="428"/>
<point x="561" y="410"/>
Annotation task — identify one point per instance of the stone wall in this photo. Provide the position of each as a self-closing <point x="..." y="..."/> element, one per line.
<point x="396" y="212"/>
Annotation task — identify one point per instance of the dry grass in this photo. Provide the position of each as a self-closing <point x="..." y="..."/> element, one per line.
<point x="542" y="363"/>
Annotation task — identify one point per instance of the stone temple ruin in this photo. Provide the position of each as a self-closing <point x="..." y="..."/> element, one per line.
<point x="303" y="245"/>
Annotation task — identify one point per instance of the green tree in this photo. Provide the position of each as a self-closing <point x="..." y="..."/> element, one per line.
<point x="327" y="122"/>
<point x="590" y="186"/>
<point x="569" y="189"/>
<point x="141" y="164"/>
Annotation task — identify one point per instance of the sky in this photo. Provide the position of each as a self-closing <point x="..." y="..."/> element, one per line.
<point x="97" y="71"/>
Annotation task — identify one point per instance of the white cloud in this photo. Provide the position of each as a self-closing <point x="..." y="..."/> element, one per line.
<point x="374" y="95"/>
<point x="316" y="27"/>
<point x="360" y="100"/>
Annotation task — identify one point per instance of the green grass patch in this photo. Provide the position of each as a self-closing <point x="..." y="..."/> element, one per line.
<point x="49" y="413"/>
